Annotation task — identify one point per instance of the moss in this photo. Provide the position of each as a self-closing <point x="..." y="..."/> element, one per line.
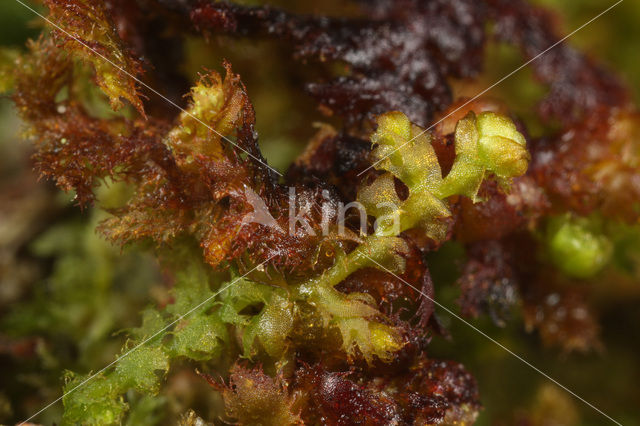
<point x="320" y="329"/>
<point x="577" y="246"/>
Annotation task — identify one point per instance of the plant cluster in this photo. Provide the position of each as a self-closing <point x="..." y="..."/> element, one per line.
<point x="318" y="323"/>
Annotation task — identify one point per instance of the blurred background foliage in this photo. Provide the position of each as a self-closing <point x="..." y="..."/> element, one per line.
<point x="65" y="293"/>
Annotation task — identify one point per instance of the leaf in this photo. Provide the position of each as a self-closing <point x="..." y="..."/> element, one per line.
<point x="96" y="402"/>
<point x="85" y="23"/>
<point x="152" y="323"/>
<point x="218" y="108"/>
<point x="270" y="326"/>
<point x="488" y="143"/>
<point x="139" y="368"/>
<point x="355" y="317"/>
<point x="199" y="337"/>
<point x="191" y="289"/>
<point x="405" y="150"/>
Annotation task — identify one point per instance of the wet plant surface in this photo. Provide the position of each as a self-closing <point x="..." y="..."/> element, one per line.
<point x="292" y="232"/>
